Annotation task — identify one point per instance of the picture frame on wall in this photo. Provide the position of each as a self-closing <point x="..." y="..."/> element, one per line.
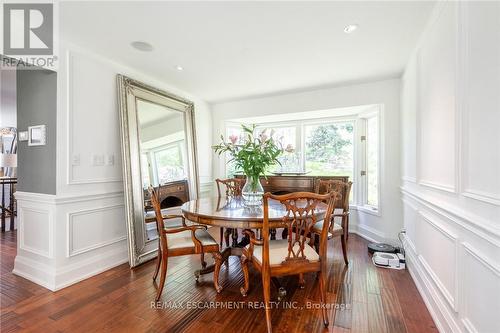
<point x="37" y="135"/>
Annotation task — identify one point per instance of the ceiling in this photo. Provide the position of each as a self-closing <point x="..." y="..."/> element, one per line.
<point x="150" y="113"/>
<point x="232" y="50"/>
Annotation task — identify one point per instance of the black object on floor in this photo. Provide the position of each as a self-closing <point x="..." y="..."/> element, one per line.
<point x="381" y="247"/>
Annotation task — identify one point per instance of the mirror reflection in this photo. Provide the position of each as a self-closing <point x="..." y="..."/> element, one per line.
<point x="164" y="160"/>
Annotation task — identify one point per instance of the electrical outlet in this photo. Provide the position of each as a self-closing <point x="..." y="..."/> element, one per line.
<point x="110" y="159"/>
<point x="75" y="160"/>
<point x="98" y="160"/>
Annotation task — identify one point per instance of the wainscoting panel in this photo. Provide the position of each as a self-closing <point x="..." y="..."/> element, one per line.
<point x="89" y="85"/>
<point x="480" y="291"/>
<point x="437" y="247"/>
<point x="481" y="116"/>
<point x="91" y="229"/>
<point x="436" y="74"/>
<point x="35" y="230"/>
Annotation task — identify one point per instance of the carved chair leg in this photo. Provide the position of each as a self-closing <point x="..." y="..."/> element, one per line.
<point x="302" y="281"/>
<point x="266" y="288"/>
<point x="322" y="292"/>
<point x="227" y="232"/>
<point x="347" y="227"/>
<point x="244" y="267"/>
<point x="344" y="249"/>
<point x="234" y="237"/>
<point x="202" y="258"/>
<point x="273" y="233"/>
<point x="316" y="242"/>
<point x="218" y="262"/>
<point x="164" y="264"/>
<point x="284" y="233"/>
<point x="158" y="262"/>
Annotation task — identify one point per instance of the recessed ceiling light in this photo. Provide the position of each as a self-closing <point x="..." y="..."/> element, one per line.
<point x="350" y="28"/>
<point x="142" y="46"/>
<point x="179" y="68"/>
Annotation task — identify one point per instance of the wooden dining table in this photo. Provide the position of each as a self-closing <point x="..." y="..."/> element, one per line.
<point x="231" y="212"/>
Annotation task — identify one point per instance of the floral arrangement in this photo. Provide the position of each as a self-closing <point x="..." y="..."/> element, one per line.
<point x="252" y="154"/>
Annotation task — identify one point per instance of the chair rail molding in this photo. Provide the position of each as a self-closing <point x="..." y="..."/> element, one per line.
<point x="46" y="220"/>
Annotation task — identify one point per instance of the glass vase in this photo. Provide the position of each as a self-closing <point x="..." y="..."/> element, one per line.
<point x="252" y="191"/>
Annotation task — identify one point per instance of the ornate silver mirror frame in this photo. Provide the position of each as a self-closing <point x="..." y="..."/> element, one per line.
<point x="129" y="91"/>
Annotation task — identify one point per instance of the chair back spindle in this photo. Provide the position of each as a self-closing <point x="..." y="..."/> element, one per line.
<point x="301" y="216"/>
<point x="160" y="224"/>
<point x="233" y="186"/>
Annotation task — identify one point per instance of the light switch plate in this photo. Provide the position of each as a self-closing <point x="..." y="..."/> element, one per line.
<point x="23" y="136"/>
<point x="98" y="160"/>
<point x="75" y="160"/>
<point x="110" y="159"/>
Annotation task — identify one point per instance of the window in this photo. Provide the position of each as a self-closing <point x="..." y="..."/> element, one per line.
<point x="372" y="153"/>
<point x="329" y="149"/>
<point x="163" y="164"/>
<point x="168" y="164"/>
<point x="290" y="159"/>
<point x="236" y="132"/>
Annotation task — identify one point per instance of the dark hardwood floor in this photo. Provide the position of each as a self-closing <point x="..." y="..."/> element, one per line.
<point x="120" y="300"/>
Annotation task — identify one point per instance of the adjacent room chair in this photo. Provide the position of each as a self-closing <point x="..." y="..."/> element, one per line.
<point x="341" y="211"/>
<point x="178" y="241"/>
<point x="294" y="255"/>
<point x="230" y="187"/>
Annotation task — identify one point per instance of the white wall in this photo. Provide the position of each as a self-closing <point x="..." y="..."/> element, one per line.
<point x="81" y="230"/>
<point x="378" y="227"/>
<point x="450" y="165"/>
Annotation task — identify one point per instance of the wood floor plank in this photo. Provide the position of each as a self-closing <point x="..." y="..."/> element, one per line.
<point x="120" y="300"/>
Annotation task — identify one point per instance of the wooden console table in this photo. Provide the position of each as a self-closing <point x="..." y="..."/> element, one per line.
<point x="289" y="184"/>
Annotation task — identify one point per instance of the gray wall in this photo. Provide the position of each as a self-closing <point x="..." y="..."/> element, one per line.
<point x="37" y="105"/>
<point x="7" y="97"/>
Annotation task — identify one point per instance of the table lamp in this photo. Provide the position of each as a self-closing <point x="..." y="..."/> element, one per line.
<point x="8" y="161"/>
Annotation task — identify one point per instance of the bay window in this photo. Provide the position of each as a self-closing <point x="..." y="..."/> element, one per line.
<point x="343" y="146"/>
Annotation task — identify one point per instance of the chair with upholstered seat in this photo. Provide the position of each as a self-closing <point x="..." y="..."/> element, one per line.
<point x="180" y="240"/>
<point x="341" y="211"/>
<point x="233" y="187"/>
<point x="294" y="255"/>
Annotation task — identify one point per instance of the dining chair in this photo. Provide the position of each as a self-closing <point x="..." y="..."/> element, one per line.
<point x="294" y="255"/>
<point x="341" y="210"/>
<point x="182" y="240"/>
<point x="230" y="187"/>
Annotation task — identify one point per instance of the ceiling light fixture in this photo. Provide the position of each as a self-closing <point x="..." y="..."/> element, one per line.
<point x="350" y="28"/>
<point x="142" y="46"/>
<point x="179" y="68"/>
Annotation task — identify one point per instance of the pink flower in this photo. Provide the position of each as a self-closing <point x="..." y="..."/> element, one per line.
<point x="233" y="138"/>
<point x="263" y="136"/>
<point x="289" y="148"/>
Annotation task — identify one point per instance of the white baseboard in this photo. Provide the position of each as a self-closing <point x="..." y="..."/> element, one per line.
<point x="45" y="275"/>
<point x="80" y="271"/>
<point x="35" y="271"/>
<point x="368" y="233"/>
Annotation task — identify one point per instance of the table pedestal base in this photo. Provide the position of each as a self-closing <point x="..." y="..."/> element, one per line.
<point x="223" y="258"/>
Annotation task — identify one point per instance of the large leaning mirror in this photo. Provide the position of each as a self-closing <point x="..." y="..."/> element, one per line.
<point x="158" y="149"/>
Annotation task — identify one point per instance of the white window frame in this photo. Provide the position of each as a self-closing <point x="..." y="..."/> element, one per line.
<point x="360" y="188"/>
<point x="362" y="202"/>
<point x="153" y="169"/>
